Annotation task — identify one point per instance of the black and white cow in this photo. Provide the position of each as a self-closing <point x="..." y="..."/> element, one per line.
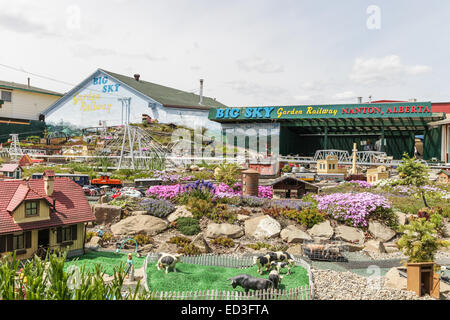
<point x="168" y="261"/>
<point x="275" y="278"/>
<point x="261" y="262"/>
<point x="250" y="283"/>
<point x="281" y="260"/>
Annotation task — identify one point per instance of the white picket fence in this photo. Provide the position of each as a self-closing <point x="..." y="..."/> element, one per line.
<point x="301" y="293"/>
<point x="230" y="261"/>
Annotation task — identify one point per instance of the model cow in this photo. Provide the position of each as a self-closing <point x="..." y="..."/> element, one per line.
<point x="168" y="261"/>
<point x="250" y="283"/>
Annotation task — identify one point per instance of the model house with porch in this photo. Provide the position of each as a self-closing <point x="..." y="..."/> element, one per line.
<point x="11" y="171"/>
<point x="40" y="215"/>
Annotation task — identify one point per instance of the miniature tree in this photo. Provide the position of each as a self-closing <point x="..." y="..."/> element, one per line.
<point x="419" y="241"/>
<point x="414" y="173"/>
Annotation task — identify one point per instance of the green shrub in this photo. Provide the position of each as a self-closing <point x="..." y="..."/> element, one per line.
<point x="387" y="216"/>
<point x="223" y="242"/>
<point x="143" y="239"/>
<point x="228" y="173"/>
<point x="307" y="217"/>
<point x="200" y="208"/>
<point x="286" y="169"/>
<point x="412" y="172"/>
<point x="179" y="241"/>
<point x="222" y="214"/>
<point x="420" y="241"/>
<point x="189" y="250"/>
<point x="188" y="226"/>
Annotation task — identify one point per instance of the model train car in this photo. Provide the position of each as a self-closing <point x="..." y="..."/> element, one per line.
<point x="84" y="179"/>
<point x="80" y="179"/>
<point x="105" y="180"/>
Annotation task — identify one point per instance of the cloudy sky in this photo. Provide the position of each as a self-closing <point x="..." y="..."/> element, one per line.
<point x="250" y="52"/>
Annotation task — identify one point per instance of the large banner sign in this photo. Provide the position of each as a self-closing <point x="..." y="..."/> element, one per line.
<point x="386" y="110"/>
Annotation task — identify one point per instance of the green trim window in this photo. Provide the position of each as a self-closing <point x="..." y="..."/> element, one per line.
<point x="19" y="242"/>
<point x="6" y="96"/>
<point x="66" y="234"/>
<point x="32" y="209"/>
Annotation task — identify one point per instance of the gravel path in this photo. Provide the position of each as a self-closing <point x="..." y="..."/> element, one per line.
<point x="333" y="285"/>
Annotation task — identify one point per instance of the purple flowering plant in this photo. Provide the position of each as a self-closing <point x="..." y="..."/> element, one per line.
<point x="352" y="208"/>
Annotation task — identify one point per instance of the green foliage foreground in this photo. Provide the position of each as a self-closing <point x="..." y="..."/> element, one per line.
<point x="49" y="280"/>
<point x="191" y="277"/>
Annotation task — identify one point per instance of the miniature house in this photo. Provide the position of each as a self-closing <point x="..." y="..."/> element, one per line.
<point x="44" y="214"/>
<point x="290" y="186"/>
<point x="25" y="161"/>
<point x="11" y="171"/>
<point x="330" y="166"/>
<point x="376" y="174"/>
<point x="443" y="176"/>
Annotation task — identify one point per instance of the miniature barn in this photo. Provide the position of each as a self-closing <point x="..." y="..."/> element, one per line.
<point x="291" y="187"/>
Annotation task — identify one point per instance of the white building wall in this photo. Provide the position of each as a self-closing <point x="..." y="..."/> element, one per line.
<point x="96" y="100"/>
<point x="26" y="105"/>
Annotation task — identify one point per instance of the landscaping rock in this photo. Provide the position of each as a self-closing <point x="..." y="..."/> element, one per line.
<point x="242" y="217"/>
<point x="349" y="234"/>
<point x="167" y="248"/>
<point x="106" y="214"/>
<point x="294" y="235"/>
<point x="374" y="246"/>
<point x="355" y="247"/>
<point x="446" y="230"/>
<point x="214" y="231"/>
<point x="322" y="230"/>
<point x="95" y="241"/>
<point x="139" y="213"/>
<point x="394" y="280"/>
<point x="180" y="212"/>
<point x="200" y="242"/>
<point x="296" y="250"/>
<point x="262" y="227"/>
<point x="402" y="218"/>
<point x="148" y="225"/>
<point x="381" y="232"/>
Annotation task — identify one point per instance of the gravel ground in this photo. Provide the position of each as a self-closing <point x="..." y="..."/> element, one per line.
<point x="332" y="285"/>
<point x="440" y="256"/>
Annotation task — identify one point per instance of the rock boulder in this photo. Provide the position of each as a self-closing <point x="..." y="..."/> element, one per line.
<point x="133" y="225"/>
<point x="349" y="234"/>
<point x="322" y="230"/>
<point x="294" y="235"/>
<point x="394" y="280"/>
<point x="180" y="212"/>
<point x="262" y="227"/>
<point x="214" y="231"/>
<point x="381" y="232"/>
<point x="106" y="214"/>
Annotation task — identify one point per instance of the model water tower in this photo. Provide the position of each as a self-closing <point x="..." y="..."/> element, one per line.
<point x="250" y="182"/>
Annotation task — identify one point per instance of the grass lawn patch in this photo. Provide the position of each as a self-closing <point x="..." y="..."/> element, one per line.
<point x="108" y="261"/>
<point x="191" y="277"/>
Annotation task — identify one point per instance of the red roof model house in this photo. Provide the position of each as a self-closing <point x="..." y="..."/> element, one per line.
<point x="38" y="215"/>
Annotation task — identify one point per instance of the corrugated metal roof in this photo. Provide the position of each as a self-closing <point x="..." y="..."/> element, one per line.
<point x="168" y="97"/>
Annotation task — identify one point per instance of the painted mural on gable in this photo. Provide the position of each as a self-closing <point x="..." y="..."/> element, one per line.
<point x="97" y="102"/>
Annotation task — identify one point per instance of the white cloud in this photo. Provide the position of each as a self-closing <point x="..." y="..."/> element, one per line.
<point x="259" y="65"/>
<point x="346" y="95"/>
<point x="386" y="69"/>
